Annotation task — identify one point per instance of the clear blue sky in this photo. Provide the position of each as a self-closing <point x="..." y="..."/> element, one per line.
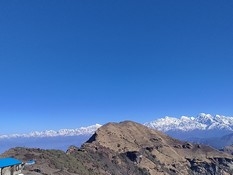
<point x="66" y="64"/>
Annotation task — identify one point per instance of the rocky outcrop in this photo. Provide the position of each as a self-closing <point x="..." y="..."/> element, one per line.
<point x="71" y="149"/>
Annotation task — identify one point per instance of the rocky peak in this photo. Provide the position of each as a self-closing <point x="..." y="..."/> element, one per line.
<point x="156" y="152"/>
<point x="125" y="135"/>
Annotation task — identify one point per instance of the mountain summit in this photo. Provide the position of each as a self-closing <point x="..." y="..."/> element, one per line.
<point x="133" y="149"/>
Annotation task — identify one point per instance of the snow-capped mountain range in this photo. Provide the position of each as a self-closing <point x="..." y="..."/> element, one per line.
<point x="213" y="130"/>
<point x="51" y="133"/>
<point x="202" y="122"/>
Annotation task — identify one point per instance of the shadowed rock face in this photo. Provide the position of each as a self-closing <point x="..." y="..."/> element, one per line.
<point x="131" y="148"/>
<point x="228" y="149"/>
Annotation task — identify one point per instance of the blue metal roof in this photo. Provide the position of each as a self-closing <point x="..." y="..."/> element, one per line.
<point x="5" y="162"/>
<point x="30" y="162"/>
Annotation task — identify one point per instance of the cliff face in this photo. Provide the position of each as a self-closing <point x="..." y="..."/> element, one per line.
<point x="130" y="148"/>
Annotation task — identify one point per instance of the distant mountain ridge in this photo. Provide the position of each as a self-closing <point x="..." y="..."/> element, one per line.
<point x="51" y="133"/>
<point x="204" y="128"/>
<point x="201" y="122"/>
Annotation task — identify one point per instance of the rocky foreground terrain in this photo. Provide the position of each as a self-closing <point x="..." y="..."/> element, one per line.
<point x="127" y="148"/>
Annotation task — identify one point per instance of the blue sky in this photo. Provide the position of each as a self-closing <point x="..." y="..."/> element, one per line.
<point x="66" y="64"/>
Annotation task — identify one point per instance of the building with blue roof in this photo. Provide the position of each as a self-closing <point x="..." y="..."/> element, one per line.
<point x="10" y="166"/>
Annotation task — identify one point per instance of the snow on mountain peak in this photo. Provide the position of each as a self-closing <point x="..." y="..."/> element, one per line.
<point x="184" y="123"/>
<point x="51" y="133"/>
<point x="202" y="122"/>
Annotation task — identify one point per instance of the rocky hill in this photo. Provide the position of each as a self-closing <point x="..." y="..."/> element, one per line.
<point x="128" y="148"/>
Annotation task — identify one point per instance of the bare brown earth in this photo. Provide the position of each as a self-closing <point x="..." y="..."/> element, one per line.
<point x="128" y="148"/>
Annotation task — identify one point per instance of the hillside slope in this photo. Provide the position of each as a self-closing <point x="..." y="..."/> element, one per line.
<point x="129" y="148"/>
